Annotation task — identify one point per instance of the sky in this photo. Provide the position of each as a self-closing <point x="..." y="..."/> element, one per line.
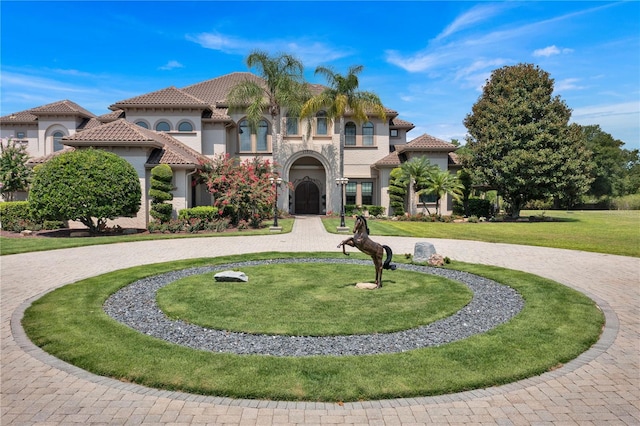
<point x="427" y="60"/>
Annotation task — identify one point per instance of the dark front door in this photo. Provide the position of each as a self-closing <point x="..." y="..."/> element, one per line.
<point x="307" y="198"/>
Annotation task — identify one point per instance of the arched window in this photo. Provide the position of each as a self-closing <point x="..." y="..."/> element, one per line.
<point x="350" y="133"/>
<point x="245" y="136"/>
<point x="142" y="124"/>
<point x="57" y="141"/>
<point x="185" y="126"/>
<point x="163" y="126"/>
<point x="367" y="133"/>
<point x="263" y="129"/>
<point x="321" y="123"/>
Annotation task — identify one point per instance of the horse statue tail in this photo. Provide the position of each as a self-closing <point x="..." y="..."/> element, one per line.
<point x="387" y="263"/>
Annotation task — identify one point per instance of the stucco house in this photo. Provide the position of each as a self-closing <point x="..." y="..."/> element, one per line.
<point x="182" y="127"/>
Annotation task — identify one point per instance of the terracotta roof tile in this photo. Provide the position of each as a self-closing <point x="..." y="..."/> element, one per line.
<point x="19" y="117"/>
<point x="89" y="123"/>
<point x="454" y="160"/>
<point x="111" y="116"/>
<point x="427" y="143"/>
<point x="399" y="123"/>
<point x="62" y="107"/>
<point x="117" y="131"/>
<point x="171" y="96"/>
<point x="391" y="160"/>
<point x="214" y="92"/>
<point x="174" y="152"/>
<point x="44" y="159"/>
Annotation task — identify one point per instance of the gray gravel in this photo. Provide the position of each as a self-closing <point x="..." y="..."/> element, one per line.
<point x="492" y="304"/>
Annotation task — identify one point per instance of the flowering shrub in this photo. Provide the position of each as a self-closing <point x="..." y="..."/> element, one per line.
<point x="242" y="191"/>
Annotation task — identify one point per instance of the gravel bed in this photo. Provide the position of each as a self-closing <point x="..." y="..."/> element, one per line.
<point x="492" y="304"/>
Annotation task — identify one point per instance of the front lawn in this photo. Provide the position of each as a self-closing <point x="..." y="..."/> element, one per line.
<point x="611" y="231"/>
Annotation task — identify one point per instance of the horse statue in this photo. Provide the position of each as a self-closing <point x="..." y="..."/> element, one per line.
<point x="362" y="242"/>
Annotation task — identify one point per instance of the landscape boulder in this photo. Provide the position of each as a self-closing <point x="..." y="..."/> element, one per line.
<point x="423" y="251"/>
<point x="231" y="276"/>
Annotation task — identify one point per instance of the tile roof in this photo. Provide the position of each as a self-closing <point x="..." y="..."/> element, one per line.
<point x="89" y="123"/>
<point x="399" y="123"/>
<point x="171" y="96"/>
<point x="175" y="152"/>
<point x="19" y="117"/>
<point x="44" y="159"/>
<point x="120" y="131"/>
<point x="426" y="143"/>
<point x="66" y="107"/>
<point x="214" y="92"/>
<point x="391" y="160"/>
<point x="111" y="116"/>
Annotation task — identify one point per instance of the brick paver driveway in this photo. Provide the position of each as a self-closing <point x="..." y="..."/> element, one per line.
<point x="601" y="386"/>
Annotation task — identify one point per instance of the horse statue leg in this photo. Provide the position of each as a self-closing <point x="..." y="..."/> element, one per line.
<point x="377" y="263"/>
<point x="348" y="241"/>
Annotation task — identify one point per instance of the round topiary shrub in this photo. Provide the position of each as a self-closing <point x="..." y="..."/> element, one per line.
<point x="84" y="185"/>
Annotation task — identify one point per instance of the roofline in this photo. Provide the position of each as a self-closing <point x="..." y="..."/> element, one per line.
<point x="146" y="143"/>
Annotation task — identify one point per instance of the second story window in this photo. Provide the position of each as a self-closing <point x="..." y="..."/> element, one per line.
<point x="185" y="127"/>
<point x="321" y="123"/>
<point x="258" y="142"/>
<point x="142" y="124"/>
<point x="163" y="126"/>
<point x="350" y="134"/>
<point x="292" y="125"/>
<point x="261" y="139"/>
<point x="245" y="136"/>
<point x="367" y="134"/>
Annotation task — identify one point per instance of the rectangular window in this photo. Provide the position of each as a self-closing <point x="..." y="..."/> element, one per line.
<point x="351" y="192"/>
<point x="350" y="134"/>
<point x="427" y="198"/>
<point x="393" y="133"/>
<point x="367" y="193"/>
<point x="292" y="125"/>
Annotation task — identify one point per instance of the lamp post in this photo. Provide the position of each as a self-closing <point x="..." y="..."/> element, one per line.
<point x="342" y="182"/>
<point x="276" y="183"/>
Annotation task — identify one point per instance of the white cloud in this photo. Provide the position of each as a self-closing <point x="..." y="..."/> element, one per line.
<point x="476" y="14"/>
<point x="171" y="65"/>
<point x="567" y="84"/>
<point x="310" y="52"/>
<point x="550" y="51"/>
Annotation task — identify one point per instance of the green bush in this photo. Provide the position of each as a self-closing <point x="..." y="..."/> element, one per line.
<point x="13" y="214"/>
<point x="375" y="210"/>
<point x="161" y="177"/>
<point x="205" y="213"/>
<point x="85" y="184"/>
<point x="628" y="202"/>
<point x="475" y="207"/>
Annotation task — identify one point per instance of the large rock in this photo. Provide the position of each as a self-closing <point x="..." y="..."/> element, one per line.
<point x="423" y="251"/>
<point x="231" y="277"/>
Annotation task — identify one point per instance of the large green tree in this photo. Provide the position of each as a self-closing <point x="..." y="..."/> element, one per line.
<point x="283" y="89"/>
<point x="613" y="165"/>
<point x="84" y="185"/>
<point x="343" y="96"/>
<point x="519" y="137"/>
<point x="15" y="174"/>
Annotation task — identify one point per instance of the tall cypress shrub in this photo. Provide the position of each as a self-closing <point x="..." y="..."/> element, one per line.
<point x="160" y="191"/>
<point x="397" y="192"/>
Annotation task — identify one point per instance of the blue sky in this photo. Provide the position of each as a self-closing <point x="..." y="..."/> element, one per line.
<point x="427" y="60"/>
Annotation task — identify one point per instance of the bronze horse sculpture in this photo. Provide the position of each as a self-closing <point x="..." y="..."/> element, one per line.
<point x="362" y="242"/>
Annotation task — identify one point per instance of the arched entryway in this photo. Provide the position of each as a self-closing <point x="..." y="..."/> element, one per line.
<point x="307" y="198"/>
<point x="308" y="177"/>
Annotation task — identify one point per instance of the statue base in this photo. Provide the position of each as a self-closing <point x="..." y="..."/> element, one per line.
<point x="366" y="286"/>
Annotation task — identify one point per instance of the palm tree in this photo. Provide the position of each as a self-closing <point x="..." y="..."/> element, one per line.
<point x="343" y="96"/>
<point x="415" y="174"/>
<point x="440" y="183"/>
<point x="283" y="88"/>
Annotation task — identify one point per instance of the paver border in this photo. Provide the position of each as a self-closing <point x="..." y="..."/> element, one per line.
<point x="605" y="341"/>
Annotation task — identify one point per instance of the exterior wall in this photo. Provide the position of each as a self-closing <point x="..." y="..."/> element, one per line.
<point x="174" y="117"/>
<point x="30" y="132"/>
<point x="47" y="126"/>
<point x="214" y="139"/>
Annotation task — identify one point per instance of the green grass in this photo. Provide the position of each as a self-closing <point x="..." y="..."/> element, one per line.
<point x="10" y="245"/>
<point x="611" y="232"/>
<point x="313" y="300"/>
<point x="555" y="326"/>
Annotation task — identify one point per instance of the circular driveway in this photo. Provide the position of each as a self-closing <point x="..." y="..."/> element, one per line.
<point x="600" y="386"/>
